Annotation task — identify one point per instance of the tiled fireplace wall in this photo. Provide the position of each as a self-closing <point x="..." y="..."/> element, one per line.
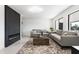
<point x="12" y="26"/>
<point x="9" y="27"/>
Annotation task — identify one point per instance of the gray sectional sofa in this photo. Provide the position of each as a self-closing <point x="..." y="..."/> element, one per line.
<point x="38" y="33"/>
<point x="65" y="38"/>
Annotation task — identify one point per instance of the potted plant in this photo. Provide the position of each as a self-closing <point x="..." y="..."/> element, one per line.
<point x="51" y="29"/>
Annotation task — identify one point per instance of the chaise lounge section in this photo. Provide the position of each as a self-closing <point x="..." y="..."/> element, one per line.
<point x="65" y="38"/>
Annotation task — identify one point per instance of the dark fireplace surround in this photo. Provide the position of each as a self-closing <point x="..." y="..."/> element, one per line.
<point x="12" y="26"/>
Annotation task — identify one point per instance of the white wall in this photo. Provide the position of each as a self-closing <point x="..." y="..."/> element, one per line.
<point x="29" y="24"/>
<point x="2" y="36"/>
<point x="65" y="15"/>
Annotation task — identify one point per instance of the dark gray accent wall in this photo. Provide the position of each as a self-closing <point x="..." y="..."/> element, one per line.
<point x="12" y="26"/>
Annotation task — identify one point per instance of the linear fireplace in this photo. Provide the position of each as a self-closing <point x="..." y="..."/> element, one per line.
<point x="12" y="26"/>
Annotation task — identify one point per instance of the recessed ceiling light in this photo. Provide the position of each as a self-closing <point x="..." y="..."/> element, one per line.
<point x="35" y="9"/>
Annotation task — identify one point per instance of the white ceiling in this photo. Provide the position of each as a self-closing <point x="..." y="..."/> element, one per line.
<point x="49" y="11"/>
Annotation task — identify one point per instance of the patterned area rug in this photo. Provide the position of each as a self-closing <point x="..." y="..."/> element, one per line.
<point x="53" y="48"/>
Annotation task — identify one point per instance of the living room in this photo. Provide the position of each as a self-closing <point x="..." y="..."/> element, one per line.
<point x="36" y="22"/>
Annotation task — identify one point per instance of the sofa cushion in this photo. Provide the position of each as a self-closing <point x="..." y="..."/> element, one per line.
<point x="59" y="32"/>
<point x="56" y="36"/>
<point x="70" y="33"/>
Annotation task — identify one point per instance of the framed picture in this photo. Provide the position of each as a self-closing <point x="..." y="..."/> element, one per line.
<point x="59" y="24"/>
